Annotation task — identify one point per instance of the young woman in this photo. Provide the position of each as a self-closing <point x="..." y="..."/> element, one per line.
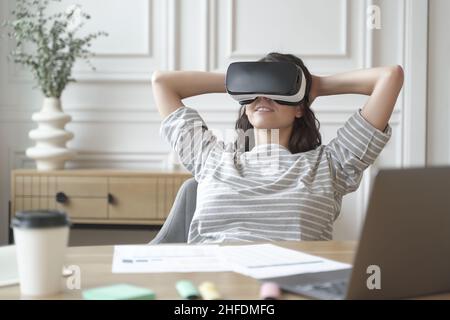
<point x="239" y="198"/>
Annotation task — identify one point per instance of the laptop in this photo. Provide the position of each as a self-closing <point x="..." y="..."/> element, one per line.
<point x="404" y="247"/>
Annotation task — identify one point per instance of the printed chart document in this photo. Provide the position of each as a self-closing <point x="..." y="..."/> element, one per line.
<point x="262" y="261"/>
<point x="258" y="261"/>
<point x="176" y="258"/>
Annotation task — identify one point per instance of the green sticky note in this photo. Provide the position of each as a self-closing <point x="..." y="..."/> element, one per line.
<point x="187" y="290"/>
<point x="119" y="292"/>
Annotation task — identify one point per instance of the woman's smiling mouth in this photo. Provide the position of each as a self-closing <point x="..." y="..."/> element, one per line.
<point x="263" y="109"/>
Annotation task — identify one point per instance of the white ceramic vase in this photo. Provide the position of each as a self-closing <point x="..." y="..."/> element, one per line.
<point x="50" y="152"/>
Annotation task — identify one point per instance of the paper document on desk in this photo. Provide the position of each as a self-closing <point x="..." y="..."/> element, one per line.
<point x="173" y="258"/>
<point x="258" y="261"/>
<point x="262" y="261"/>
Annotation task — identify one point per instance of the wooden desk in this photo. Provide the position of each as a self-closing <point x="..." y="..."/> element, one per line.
<point x="95" y="264"/>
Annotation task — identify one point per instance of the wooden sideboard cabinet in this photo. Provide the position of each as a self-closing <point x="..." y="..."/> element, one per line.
<point x="99" y="196"/>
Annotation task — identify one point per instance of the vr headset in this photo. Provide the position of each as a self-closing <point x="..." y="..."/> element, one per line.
<point x="283" y="82"/>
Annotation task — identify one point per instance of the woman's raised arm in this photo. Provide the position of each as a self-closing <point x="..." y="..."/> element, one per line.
<point x="170" y="87"/>
<point x="383" y="84"/>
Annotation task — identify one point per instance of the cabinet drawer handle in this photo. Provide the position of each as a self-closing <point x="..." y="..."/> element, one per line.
<point x="111" y="199"/>
<point x="61" y="197"/>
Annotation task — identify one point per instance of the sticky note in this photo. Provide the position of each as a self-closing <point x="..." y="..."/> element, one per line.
<point x="119" y="292"/>
<point x="187" y="290"/>
<point x="209" y="291"/>
<point x="270" y="291"/>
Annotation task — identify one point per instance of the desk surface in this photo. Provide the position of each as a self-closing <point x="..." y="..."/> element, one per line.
<point x="95" y="263"/>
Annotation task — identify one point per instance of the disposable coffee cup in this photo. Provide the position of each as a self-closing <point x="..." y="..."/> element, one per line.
<point x="41" y="240"/>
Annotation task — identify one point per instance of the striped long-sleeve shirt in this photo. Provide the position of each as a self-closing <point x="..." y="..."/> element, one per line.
<point x="268" y="193"/>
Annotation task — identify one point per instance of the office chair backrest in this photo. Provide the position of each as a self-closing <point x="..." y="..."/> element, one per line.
<point x="176" y="226"/>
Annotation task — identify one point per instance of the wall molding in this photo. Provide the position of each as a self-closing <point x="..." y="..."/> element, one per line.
<point x="138" y="66"/>
<point x="87" y="159"/>
<point x="348" y="56"/>
<point x="415" y="55"/>
<point x="172" y="32"/>
<point x="233" y="53"/>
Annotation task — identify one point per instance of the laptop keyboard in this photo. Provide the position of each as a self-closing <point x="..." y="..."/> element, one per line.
<point x="326" y="290"/>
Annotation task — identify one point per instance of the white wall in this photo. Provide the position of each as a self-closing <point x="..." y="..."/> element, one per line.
<point x="114" y="117"/>
<point x="439" y="84"/>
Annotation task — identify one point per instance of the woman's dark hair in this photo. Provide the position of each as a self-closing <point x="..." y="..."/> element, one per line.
<point x="305" y="132"/>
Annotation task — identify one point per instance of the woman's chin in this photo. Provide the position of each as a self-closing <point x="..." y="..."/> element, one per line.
<point x="264" y="121"/>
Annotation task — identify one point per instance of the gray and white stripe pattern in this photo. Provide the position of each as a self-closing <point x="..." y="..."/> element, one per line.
<point x="268" y="193"/>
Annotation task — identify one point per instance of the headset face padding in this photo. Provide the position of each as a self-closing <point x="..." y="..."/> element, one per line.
<point x="283" y="82"/>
